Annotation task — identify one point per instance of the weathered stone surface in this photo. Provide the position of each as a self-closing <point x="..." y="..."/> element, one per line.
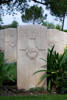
<point x="57" y="38"/>
<point x="10" y="44"/>
<point x="32" y="46"/>
<point x="2" y="40"/>
<point x="27" y="45"/>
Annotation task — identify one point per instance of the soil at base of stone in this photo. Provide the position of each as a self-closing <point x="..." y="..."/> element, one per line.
<point x="12" y="90"/>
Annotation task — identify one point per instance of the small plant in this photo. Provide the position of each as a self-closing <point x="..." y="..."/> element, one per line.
<point x="48" y="25"/>
<point x="37" y="89"/>
<point x="1" y="67"/>
<point x="58" y="27"/>
<point x="7" y="71"/>
<point x="63" y="82"/>
<point x="11" y="72"/>
<point x="56" y="70"/>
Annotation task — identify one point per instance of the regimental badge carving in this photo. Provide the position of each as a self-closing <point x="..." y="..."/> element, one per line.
<point x="32" y="53"/>
<point x="11" y="43"/>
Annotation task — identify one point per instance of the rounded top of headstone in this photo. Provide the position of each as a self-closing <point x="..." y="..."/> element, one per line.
<point x="32" y="26"/>
<point x="57" y="31"/>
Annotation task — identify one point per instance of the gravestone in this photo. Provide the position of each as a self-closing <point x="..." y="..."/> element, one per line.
<point x="31" y="47"/>
<point x="10" y="45"/>
<point x="2" y="40"/>
<point x="65" y="39"/>
<point x="57" y="38"/>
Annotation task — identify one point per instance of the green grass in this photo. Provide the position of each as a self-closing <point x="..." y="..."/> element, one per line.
<point x="43" y="97"/>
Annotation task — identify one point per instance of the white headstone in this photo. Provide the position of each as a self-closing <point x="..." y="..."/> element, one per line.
<point x="2" y="40"/>
<point x="10" y="44"/>
<point x="57" y="38"/>
<point x="32" y="46"/>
